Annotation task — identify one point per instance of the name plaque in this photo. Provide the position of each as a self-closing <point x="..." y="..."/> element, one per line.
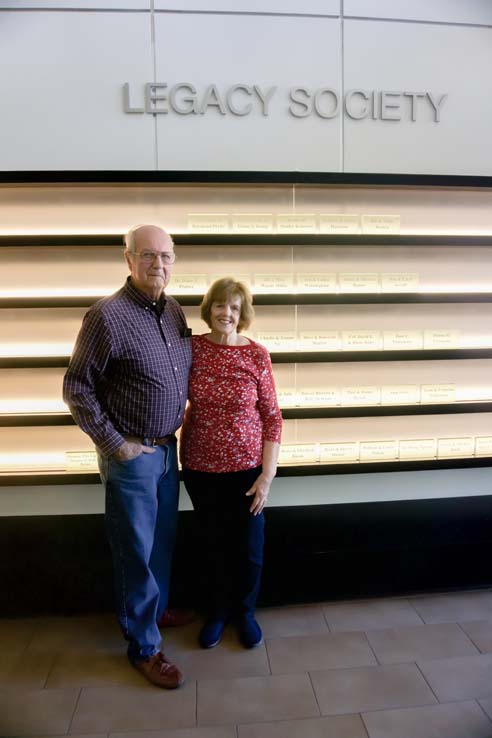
<point x="400" y="394"/>
<point x="279" y="282"/>
<point x="189" y="284"/>
<point x="402" y="340"/>
<point x="449" y="447"/>
<point x="418" y="448"/>
<point x="361" y="340"/>
<point x="436" y="339"/>
<point x="335" y="223"/>
<point x="363" y="395"/>
<point x="299" y="453"/>
<point x="252" y="223"/>
<point x="337" y="453"/>
<point x="374" y="224"/>
<point x="274" y="341"/>
<point x="80" y="461"/>
<point x="319" y="341"/>
<point x="320" y="397"/>
<point x="378" y="450"/>
<point x="208" y="222"/>
<point x="430" y="393"/>
<point x="287" y="397"/>
<point x="303" y="223"/>
<point x="316" y="282"/>
<point x="400" y="282"/>
<point x="358" y="282"/>
<point x="483" y="446"/>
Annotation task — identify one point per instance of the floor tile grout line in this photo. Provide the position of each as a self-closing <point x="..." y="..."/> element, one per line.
<point x="480" y="652"/>
<point x="364" y="724"/>
<point x="74" y="710"/>
<point x="416" y="611"/>
<point x="56" y="656"/>
<point x="196" y="702"/>
<point x="378" y="662"/>
<point x="268" y="656"/>
<point x="326" y="621"/>
<point x="428" y="683"/>
<point x="314" y="692"/>
<point x="477" y="700"/>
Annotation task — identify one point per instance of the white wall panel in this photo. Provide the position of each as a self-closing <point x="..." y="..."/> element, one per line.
<point x="306" y="7"/>
<point x="415" y="57"/>
<point x="62" y="96"/>
<point x="225" y="50"/>
<point x="447" y="11"/>
<point x="75" y="4"/>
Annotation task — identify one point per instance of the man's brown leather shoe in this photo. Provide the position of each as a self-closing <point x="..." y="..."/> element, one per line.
<point x="159" y="671"/>
<point x="173" y="618"/>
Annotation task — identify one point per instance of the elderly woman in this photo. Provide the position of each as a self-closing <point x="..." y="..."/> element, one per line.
<point x="229" y="449"/>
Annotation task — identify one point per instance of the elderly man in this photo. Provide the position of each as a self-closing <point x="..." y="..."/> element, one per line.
<point x="126" y="387"/>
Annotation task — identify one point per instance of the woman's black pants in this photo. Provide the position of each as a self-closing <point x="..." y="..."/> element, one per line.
<point x="231" y="539"/>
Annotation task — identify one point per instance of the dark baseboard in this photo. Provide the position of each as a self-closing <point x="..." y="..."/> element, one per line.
<point x="61" y="564"/>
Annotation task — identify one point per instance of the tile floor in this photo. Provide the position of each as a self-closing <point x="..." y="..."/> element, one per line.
<point x="416" y="667"/>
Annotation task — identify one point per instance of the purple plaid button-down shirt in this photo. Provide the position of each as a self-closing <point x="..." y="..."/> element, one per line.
<point x="128" y="374"/>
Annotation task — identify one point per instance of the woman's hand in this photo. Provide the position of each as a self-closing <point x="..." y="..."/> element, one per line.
<point x="260" y="490"/>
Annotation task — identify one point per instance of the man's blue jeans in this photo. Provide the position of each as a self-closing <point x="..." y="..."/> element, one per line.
<point x="141" y="517"/>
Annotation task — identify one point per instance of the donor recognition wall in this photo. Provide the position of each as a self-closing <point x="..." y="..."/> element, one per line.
<point x="373" y="293"/>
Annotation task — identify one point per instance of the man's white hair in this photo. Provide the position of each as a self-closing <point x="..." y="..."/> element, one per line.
<point x="129" y="238"/>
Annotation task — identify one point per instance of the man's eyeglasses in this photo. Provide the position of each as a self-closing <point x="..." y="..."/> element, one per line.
<point x="148" y="257"/>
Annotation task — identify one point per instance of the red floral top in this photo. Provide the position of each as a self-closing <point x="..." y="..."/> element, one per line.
<point x="232" y="407"/>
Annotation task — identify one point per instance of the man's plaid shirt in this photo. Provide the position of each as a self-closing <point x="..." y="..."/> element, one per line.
<point x="128" y="374"/>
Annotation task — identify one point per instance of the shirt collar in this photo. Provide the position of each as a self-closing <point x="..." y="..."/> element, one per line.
<point x="142" y="299"/>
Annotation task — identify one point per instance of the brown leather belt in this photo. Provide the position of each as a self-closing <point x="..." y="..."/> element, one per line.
<point x="151" y="440"/>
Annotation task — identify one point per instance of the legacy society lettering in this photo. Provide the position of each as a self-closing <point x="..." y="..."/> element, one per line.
<point x="184" y="98"/>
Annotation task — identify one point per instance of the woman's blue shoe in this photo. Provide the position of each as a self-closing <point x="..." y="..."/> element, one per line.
<point x="249" y="631"/>
<point x="211" y="633"/>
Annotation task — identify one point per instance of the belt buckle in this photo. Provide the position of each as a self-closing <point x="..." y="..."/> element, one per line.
<point x="153" y="440"/>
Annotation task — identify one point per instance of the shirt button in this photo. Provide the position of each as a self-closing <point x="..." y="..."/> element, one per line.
<point x="175" y="368"/>
<point x="169" y="345"/>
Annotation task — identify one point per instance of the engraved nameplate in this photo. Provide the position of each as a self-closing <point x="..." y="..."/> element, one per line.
<point x="334" y="223"/>
<point x="400" y="282"/>
<point x="80" y="461"/>
<point x="319" y="397"/>
<point x="361" y="340"/>
<point x="208" y="222"/>
<point x="305" y="223"/>
<point x="358" y="282"/>
<point x="274" y="341"/>
<point x="278" y="282"/>
<point x="252" y="223"/>
<point x="319" y="341"/>
<point x="316" y="282"/>
<point x="449" y="447"/>
<point x="402" y="340"/>
<point x="378" y="450"/>
<point x="438" y="393"/>
<point x="333" y="453"/>
<point x="400" y="394"/>
<point x="437" y="339"/>
<point x="189" y="284"/>
<point x="418" y="448"/>
<point x="299" y="453"/>
<point x="483" y="446"/>
<point x="380" y="224"/>
<point x="361" y="395"/>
